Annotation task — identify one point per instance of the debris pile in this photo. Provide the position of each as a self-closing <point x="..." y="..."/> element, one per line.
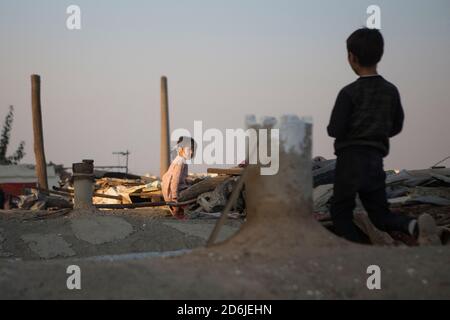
<point x="212" y="194"/>
<point x="206" y="195"/>
<point x="109" y="188"/>
<point x="411" y="192"/>
<point x="126" y="191"/>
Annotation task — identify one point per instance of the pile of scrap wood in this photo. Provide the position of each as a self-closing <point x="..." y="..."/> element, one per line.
<point x="410" y="192"/>
<point x="108" y="189"/>
<point x="206" y="194"/>
<point x="126" y="191"/>
<point x="36" y="199"/>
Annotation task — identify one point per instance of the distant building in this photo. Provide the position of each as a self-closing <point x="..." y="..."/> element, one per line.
<point x="15" y="178"/>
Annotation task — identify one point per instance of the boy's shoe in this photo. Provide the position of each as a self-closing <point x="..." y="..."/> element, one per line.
<point x="180" y="216"/>
<point x="428" y="231"/>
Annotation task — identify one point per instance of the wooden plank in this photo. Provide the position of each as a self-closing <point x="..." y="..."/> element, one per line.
<point x="229" y="171"/>
<point x="144" y="205"/>
<point x="70" y="192"/>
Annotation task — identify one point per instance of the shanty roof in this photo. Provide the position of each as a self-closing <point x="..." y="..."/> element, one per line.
<point x="25" y="173"/>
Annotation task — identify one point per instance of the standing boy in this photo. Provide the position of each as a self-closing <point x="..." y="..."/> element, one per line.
<point x="367" y="113"/>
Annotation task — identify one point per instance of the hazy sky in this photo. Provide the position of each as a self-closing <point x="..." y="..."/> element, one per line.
<point x="223" y="59"/>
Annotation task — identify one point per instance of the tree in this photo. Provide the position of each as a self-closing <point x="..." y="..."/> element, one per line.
<point x="4" y="142"/>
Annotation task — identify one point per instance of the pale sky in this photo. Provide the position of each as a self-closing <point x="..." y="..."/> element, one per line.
<point x="224" y="59"/>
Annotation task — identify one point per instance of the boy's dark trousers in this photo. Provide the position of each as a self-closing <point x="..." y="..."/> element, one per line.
<point x="359" y="170"/>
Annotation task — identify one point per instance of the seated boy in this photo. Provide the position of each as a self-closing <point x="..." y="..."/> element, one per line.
<point x="367" y="113"/>
<point x="174" y="180"/>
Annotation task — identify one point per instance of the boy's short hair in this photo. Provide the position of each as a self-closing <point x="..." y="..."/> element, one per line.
<point x="186" y="141"/>
<point x="367" y="45"/>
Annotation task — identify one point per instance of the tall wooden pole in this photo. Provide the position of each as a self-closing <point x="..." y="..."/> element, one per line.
<point x="41" y="164"/>
<point x="165" y="140"/>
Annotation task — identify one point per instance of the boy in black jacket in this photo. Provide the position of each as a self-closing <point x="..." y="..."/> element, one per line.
<point x="367" y="113"/>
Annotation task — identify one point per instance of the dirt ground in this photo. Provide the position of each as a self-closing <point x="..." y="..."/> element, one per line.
<point x="102" y="233"/>
<point x="249" y="265"/>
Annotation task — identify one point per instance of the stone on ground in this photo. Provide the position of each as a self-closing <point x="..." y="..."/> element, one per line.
<point x="100" y="229"/>
<point x="48" y="246"/>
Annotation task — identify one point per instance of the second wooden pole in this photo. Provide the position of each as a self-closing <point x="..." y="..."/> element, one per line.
<point x="165" y="139"/>
<point x="41" y="164"/>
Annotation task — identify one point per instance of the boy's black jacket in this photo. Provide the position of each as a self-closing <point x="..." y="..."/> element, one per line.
<point x="367" y="113"/>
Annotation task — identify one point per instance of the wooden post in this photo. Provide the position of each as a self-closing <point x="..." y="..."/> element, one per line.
<point x="41" y="164"/>
<point x="165" y="139"/>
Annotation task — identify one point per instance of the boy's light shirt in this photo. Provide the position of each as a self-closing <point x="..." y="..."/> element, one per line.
<point x="179" y="160"/>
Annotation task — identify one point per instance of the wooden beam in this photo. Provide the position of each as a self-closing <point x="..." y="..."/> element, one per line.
<point x="41" y="164"/>
<point x="144" y="205"/>
<point x="70" y="193"/>
<point x="229" y="171"/>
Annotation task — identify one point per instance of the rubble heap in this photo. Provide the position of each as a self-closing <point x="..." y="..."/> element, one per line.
<point x="411" y="192"/>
